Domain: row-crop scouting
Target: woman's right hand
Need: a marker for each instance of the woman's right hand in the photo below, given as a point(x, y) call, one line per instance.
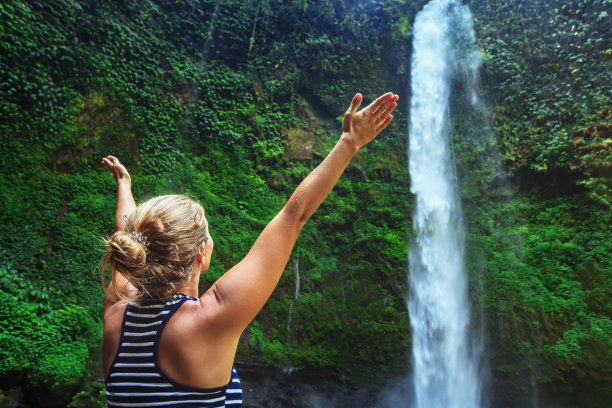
point(116, 169)
point(363, 126)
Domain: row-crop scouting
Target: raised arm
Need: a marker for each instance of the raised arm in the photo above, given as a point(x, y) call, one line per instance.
point(125, 201)
point(125, 205)
point(244, 289)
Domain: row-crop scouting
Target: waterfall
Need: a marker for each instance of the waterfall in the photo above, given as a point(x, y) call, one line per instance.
point(445, 360)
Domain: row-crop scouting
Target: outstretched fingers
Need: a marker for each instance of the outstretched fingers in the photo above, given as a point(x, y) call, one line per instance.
point(383, 116)
point(380, 102)
point(384, 123)
point(385, 110)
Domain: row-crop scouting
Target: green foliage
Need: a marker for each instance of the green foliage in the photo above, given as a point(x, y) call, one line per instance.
point(549, 78)
point(92, 396)
point(46, 344)
point(210, 98)
point(172, 89)
point(272, 350)
point(548, 291)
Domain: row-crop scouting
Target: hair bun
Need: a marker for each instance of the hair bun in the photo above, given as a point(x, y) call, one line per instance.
point(128, 255)
point(158, 248)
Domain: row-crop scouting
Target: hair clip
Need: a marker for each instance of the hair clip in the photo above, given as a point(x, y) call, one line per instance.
point(137, 236)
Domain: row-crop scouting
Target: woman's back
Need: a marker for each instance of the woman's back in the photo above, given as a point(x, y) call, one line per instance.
point(136, 377)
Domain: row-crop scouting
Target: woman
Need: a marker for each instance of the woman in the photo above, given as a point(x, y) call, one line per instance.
point(164, 346)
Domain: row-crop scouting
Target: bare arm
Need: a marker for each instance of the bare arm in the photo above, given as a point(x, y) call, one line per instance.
point(125, 201)
point(125, 205)
point(245, 288)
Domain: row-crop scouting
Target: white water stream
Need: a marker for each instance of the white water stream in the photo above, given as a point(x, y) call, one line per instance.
point(445, 359)
point(296, 272)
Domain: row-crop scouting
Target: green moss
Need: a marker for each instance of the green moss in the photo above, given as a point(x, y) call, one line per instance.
point(189, 109)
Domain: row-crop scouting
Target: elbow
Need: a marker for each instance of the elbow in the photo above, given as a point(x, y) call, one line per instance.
point(296, 213)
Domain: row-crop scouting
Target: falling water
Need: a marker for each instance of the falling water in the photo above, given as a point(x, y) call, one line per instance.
point(209, 34)
point(446, 360)
point(204, 51)
point(296, 272)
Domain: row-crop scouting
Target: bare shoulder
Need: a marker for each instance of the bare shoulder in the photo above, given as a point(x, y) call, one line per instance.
point(203, 319)
point(203, 314)
point(113, 313)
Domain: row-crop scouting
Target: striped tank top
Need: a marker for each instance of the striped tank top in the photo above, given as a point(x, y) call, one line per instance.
point(135, 378)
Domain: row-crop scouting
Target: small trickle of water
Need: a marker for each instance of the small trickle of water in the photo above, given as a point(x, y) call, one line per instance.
point(445, 359)
point(209, 34)
point(296, 273)
point(296, 269)
point(204, 51)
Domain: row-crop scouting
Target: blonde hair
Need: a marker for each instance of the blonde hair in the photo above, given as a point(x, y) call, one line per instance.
point(173, 227)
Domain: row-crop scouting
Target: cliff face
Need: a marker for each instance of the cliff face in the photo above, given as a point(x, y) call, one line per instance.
point(234, 102)
point(546, 275)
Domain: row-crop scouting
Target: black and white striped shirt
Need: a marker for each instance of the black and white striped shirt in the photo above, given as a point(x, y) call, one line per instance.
point(135, 378)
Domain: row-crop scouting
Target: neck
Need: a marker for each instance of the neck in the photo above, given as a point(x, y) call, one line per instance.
point(190, 288)
point(192, 293)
